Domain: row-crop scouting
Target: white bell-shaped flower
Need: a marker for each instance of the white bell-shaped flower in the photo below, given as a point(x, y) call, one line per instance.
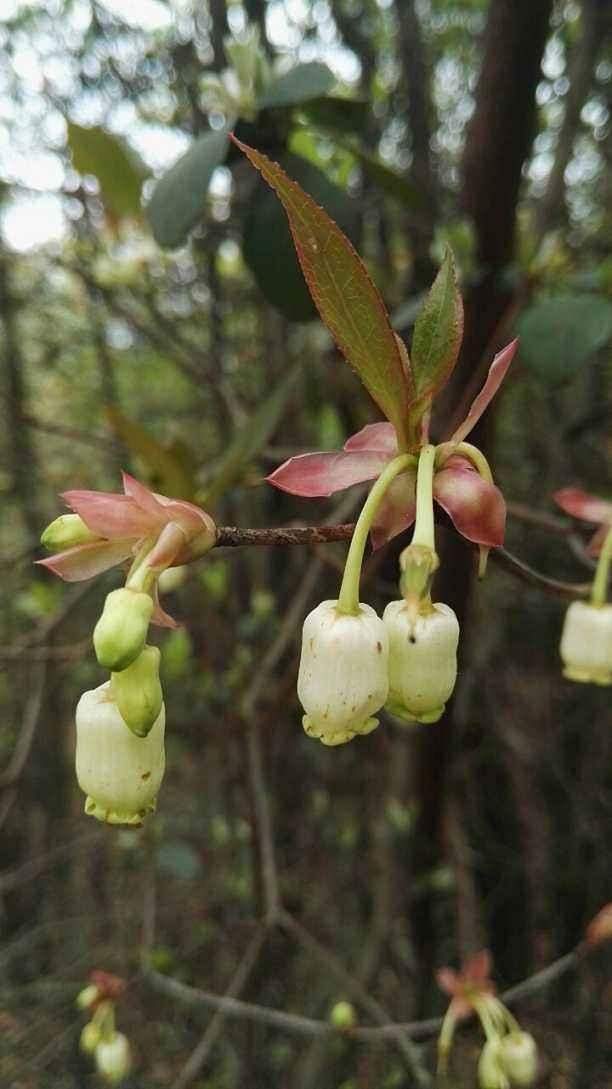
point(491, 1072)
point(422, 660)
point(119, 772)
point(586, 643)
point(519, 1056)
point(113, 1058)
point(343, 678)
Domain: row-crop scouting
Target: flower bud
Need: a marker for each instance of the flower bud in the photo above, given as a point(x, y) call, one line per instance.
point(342, 1015)
point(138, 693)
point(342, 679)
point(121, 632)
point(113, 1060)
point(586, 643)
point(88, 997)
point(120, 773)
point(422, 660)
point(89, 1038)
point(491, 1072)
point(67, 531)
point(519, 1056)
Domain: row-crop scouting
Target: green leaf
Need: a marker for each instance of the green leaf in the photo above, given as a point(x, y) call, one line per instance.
point(345, 296)
point(169, 468)
point(392, 183)
point(119, 171)
point(560, 334)
point(304, 82)
point(251, 437)
point(267, 244)
point(344, 115)
point(177, 203)
point(437, 335)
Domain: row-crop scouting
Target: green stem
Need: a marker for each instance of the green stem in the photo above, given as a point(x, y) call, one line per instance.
point(599, 589)
point(424, 524)
point(139, 575)
point(348, 598)
point(465, 450)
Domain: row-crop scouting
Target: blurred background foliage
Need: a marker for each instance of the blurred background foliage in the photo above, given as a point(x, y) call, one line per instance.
point(152, 317)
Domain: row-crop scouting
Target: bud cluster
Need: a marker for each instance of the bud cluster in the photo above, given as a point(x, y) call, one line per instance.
point(120, 725)
point(99, 1038)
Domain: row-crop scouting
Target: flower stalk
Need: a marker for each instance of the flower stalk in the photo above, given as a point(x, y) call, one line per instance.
point(348, 598)
point(599, 590)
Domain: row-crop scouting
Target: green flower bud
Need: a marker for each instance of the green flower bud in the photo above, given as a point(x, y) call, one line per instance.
point(491, 1072)
point(113, 1059)
point(121, 632)
point(422, 660)
point(88, 996)
point(519, 1056)
point(138, 693)
point(342, 1015)
point(67, 531)
point(90, 1038)
point(586, 643)
point(120, 773)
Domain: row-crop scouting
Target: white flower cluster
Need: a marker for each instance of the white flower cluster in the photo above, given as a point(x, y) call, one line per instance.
point(353, 665)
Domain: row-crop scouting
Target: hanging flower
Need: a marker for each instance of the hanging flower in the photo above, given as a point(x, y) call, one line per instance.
point(472, 501)
point(342, 680)
point(471, 982)
point(422, 660)
point(586, 643)
point(119, 772)
point(119, 526)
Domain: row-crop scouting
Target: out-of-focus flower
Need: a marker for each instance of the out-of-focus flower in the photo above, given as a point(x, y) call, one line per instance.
point(586, 643)
point(471, 982)
point(342, 680)
point(519, 1057)
point(491, 1071)
point(113, 1058)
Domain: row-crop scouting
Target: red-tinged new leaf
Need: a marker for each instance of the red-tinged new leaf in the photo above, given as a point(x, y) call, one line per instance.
point(497, 373)
point(316, 475)
point(438, 332)
point(582, 505)
point(346, 298)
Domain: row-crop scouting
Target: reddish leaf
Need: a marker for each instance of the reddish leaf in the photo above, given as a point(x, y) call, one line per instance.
point(345, 296)
point(314, 475)
point(495, 377)
point(477, 508)
point(437, 334)
point(378, 436)
point(582, 505)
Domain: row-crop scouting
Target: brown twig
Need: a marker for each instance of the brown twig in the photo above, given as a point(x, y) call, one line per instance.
point(235, 537)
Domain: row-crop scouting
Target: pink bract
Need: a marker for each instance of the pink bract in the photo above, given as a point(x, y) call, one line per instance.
point(177, 530)
point(470, 982)
point(475, 506)
point(589, 508)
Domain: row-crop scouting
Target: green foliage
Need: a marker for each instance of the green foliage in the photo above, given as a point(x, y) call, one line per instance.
point(559, 335)
point(177, 203)
point(343, 115)
point(299, 84)
point(437, 333)
point(178, 859)
point(346, 297)
point(268, 247)
point(251, 437)
point(119, 172)
point(170, 467)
